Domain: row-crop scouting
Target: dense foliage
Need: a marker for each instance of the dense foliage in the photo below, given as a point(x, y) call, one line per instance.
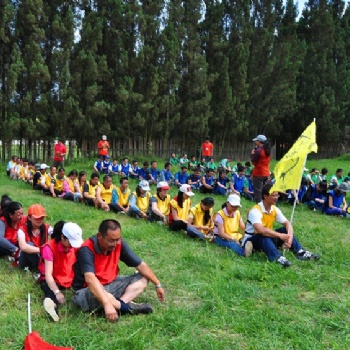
point(173, 70)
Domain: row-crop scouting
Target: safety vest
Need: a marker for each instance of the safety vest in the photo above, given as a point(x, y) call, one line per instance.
point(198, 217)
point(106, 266)
point(231, 225)
point(123, 198)
point(268, 219)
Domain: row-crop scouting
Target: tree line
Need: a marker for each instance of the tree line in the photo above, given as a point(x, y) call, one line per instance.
point(173, 70)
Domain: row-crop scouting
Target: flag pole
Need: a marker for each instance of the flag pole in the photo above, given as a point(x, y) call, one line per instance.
point(29, 316)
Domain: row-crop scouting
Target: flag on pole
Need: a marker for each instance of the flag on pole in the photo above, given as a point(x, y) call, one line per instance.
point(289, 169)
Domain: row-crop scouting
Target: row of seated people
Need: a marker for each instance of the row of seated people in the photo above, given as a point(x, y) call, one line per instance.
point(53, 254)
point(103, 165)
point(330, 199)
point(25, 240)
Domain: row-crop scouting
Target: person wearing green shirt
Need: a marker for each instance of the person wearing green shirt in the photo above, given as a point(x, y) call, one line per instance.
point(173, 160)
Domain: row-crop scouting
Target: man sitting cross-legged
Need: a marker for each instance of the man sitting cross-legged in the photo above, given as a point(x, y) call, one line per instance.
point(97, 269)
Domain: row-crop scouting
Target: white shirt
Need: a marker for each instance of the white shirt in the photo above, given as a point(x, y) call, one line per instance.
point(255, 217)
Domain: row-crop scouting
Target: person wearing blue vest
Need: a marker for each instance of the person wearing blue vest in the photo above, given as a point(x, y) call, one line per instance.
point(315, 195)
point(181, 177)
point(98, 165)
point(114, 168)
point(144, 172)
point(125, 168)
point(207, 181)
point(166, 174)
point(154, 173)
point(221, 183)
point(134, 173)
point(105, 165)
point(335, 203)
point(237, 181)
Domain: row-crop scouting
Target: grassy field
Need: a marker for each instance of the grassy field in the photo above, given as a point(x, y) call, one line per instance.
point(214, 299)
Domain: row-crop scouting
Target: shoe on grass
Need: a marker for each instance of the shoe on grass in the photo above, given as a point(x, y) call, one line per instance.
point(248, 249)
point(306, 255)
point(50, 308)
point(283, 261)
point(136, 309)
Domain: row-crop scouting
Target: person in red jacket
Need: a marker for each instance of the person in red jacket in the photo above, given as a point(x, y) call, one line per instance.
point(60, 151)
point(97, 282)
point(56, 266)
point(103, 147)
point(260, 158)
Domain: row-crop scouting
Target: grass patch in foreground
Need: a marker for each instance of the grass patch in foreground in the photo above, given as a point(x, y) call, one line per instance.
point(214, 299)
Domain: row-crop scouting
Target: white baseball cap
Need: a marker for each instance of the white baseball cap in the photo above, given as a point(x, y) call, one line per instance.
point(186, 189)
point(104, 137)
point(73, 233)
point(163, 185)
point(144, 185)
point(44, 166)
point(261, 138)
point(234, 200)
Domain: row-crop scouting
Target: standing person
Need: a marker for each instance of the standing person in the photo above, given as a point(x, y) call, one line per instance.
point(60, 151)
point(207, 149)
point(260, 230)
point(56, 266)
point(103, 147)
point(31, 236)
point(97, 282)
point(260, 158)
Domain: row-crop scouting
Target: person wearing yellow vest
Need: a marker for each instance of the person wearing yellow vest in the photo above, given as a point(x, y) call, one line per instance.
point(122, 196)
point(139, 201)
point(261, 233)
point(200, 224)
point(160, 204)
point(71, 189)
point(229, 227)
point(106, 195)
point(180, 208)
point(89, 191)
point(56, 187)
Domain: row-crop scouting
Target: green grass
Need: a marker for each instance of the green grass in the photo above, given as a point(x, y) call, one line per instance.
point(214, 299)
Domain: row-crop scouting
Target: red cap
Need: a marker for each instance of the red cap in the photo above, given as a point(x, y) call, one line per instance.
point(36, 211)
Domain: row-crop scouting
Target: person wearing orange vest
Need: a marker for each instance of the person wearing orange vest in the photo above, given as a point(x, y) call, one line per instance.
point(33, 234)
point(260, 158)
point(229, 227)
point(56, 265)
point(97, 282)
point(261, 233)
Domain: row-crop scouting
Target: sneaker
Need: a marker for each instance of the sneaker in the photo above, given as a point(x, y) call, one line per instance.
point(306, 255)
point(50, 308)
point(136, 309)
point(36, 276)
point(283, 261)
point(248, 249)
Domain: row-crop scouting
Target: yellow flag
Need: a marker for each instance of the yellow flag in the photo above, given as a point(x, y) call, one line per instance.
point(289, 169)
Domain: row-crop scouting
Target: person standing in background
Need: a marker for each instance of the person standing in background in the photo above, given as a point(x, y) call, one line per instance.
point(103, 147)
point(60, 151)
point(260, 158)
point(207, 149)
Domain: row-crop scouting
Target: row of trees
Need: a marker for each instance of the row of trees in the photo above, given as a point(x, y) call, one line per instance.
point(173, 70)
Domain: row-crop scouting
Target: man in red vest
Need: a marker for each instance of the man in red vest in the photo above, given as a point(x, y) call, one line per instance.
point(97, 283)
